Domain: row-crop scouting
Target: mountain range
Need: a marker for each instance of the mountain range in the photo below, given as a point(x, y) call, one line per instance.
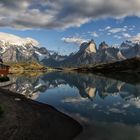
point(17, 49)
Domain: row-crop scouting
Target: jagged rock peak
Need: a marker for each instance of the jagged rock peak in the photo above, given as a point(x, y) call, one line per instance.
point(127, 44)
point(88, 47)
point(91, 48)
point(92, 41)
point(103, 45)
point(120, 56)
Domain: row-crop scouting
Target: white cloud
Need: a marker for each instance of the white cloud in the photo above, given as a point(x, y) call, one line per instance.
point(125, 27)
point(101, 30)
point(126, 35)
point(16, 40)
point(116, 110)
point(126, 105)
point(26, 14)
point(107, 28)
point(117, 36)
point(132, 28)
point(73, 100)
point(94, 34)
point(108, 33)
point(117, 30)
point(75, 40)
point(136, 37)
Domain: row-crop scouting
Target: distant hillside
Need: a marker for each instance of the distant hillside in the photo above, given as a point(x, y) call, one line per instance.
point(128, 65)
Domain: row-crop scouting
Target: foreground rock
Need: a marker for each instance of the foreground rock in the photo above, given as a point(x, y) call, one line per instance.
point(24, 119)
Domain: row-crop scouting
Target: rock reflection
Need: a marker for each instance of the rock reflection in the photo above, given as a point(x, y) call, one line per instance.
point(106, 108)
point(88, 85)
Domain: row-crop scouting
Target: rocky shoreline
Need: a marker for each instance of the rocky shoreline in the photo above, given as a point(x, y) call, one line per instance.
point(25, 119)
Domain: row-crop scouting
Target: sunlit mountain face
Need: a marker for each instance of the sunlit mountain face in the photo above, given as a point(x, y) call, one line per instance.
point(94, 101)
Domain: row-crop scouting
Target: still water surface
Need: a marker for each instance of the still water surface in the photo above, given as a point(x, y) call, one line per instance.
point(108, 109)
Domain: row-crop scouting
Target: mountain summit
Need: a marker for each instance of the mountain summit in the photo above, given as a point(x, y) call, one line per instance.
point(89, 54)
point(14, 49)
point(103, 45)
point(6, 38)
point(88, 47)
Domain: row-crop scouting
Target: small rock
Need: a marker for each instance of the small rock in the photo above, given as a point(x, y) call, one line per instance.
point(17, 99)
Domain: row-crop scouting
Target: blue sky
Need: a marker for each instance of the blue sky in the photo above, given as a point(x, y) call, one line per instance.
point(74, 27)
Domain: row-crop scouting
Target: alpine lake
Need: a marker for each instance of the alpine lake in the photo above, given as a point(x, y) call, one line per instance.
point(107, 107)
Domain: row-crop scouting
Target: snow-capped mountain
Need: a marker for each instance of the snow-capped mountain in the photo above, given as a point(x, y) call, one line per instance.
point(130, 49)
point(18, 49)
point(89, 54)
point(16, 40)
point(14, 49)
point(54, 60)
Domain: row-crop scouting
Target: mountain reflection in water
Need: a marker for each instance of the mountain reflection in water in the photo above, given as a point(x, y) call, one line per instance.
point(107, 108)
